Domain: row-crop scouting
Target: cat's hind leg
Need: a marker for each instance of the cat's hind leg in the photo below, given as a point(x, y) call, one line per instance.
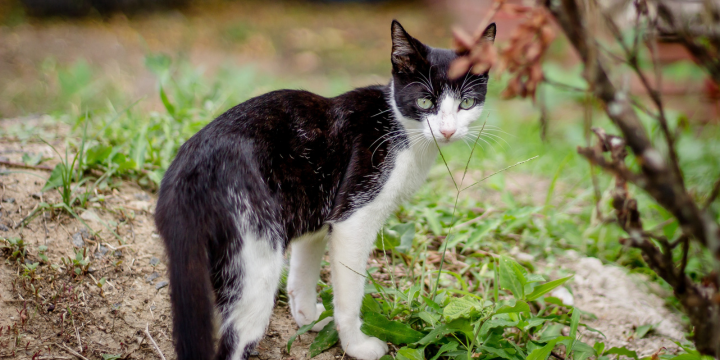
point(305, 260)
point(246, 294)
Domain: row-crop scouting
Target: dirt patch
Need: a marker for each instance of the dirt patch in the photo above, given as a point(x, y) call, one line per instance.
point(622, 302)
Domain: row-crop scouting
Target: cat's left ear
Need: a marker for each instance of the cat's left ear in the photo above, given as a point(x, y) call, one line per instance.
point(407, 53)
point(489, 33)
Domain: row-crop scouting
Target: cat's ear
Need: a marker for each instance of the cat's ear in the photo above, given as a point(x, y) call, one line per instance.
point(489, 33)
point(407, 53)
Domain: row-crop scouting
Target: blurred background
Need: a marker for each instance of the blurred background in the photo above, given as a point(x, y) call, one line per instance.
point(51, 51)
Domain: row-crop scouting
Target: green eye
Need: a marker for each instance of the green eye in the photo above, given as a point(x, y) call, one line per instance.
point(467, 103)
point(424, 103)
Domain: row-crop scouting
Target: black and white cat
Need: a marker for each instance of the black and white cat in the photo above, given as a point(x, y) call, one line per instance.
point(291, 168)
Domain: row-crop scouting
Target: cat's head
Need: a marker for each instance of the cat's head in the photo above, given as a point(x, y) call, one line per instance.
point(428, 102)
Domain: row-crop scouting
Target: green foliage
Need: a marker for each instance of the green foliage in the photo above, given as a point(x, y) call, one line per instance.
point(325, 339)
point(467, 326)
point(15, 248)
point(79, 264)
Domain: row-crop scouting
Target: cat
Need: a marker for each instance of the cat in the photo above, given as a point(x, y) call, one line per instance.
point(291, 168)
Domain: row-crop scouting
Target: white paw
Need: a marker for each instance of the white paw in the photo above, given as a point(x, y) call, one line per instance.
point(308, 315)
point(319, 309)
point(366, 348)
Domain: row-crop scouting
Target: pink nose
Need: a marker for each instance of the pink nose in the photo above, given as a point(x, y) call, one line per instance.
point(447, 133)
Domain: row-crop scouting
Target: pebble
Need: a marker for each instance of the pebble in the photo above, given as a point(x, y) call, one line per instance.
point(564, 295)
point(37, 196)
point(161, 285)
point(102, 250)
point(4, 228)
point(154, 261)
point(77, 240)
point(152, 277)
point(142, 196)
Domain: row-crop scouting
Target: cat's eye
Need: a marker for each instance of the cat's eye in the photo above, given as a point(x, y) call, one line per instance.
point(467, 103)
point(424, 103)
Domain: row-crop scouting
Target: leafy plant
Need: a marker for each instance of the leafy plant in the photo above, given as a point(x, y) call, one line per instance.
point(15, 247)
point(468, 326)
point(80, 263)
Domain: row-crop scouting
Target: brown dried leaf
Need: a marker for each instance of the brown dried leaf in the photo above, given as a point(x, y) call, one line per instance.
point(459, 67)
point(463, 40)
point(547, 34)
point(515, 9)
point(533, 51)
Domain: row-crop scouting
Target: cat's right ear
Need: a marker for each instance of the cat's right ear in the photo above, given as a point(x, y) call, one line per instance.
point(407, 53)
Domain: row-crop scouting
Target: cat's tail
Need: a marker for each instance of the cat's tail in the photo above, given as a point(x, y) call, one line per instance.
point(190, 284)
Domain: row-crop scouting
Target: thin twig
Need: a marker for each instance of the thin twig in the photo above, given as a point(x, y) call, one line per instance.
point(155, 345)
point(713, 195)
point(71, 351)
point(25, 166)
point(476, 220)
point(441, 155)
point(77, 334)
point(499, 171)
point(472, 150)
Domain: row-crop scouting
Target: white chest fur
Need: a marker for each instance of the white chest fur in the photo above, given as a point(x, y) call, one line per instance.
point(409, 171)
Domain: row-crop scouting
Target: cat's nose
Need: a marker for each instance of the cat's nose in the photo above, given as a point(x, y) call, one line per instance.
point(447, 133)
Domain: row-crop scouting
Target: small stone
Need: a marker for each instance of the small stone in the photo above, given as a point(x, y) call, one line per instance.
point(161, 285)
point(4, 228)
point(77, 240)
point(9, 200)
point(90, 215)
point(102, 250)
point(564, 295)
point(152, 277)
point(51, 307)
point(37, 196)
point(85, 233)
point(154, 261)
point(142, 196)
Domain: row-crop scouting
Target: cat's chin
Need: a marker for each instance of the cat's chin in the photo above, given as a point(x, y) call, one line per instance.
point(445, 142)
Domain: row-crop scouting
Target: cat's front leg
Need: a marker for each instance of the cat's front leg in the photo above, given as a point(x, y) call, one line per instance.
point(305, 260)
point(350, 244)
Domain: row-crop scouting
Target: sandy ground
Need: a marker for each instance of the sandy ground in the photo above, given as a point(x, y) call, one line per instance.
point(621, 303)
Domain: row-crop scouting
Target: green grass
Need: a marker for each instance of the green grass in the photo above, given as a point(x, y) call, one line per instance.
point(485, 302)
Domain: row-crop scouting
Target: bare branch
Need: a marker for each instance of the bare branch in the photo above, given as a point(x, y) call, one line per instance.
point(663, 184)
